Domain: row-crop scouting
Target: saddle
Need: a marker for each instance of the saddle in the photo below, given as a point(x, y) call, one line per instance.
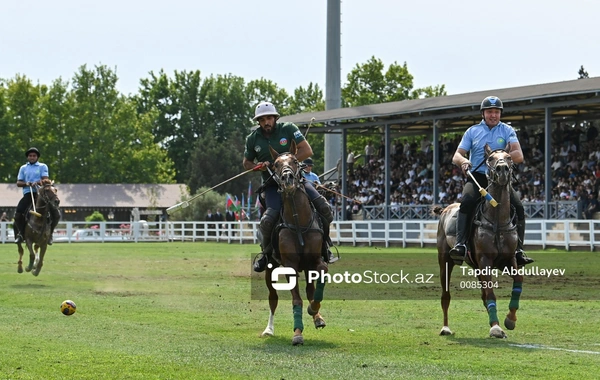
point(29, 218)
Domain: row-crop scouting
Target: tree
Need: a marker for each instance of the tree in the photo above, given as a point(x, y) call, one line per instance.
point(211, 164)
point(582, 73)
point(370, 83)
point(108, 142)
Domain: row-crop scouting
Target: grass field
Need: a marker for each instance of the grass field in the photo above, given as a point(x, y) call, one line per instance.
point(185, 311)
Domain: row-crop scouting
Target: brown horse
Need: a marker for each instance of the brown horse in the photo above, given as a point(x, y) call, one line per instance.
point(37, 231)
point(492, 243)
point(300, 239)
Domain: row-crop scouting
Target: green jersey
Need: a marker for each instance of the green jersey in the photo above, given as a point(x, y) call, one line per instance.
point(257, 145)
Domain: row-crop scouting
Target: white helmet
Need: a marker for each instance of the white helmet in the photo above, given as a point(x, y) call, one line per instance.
point(264, 109)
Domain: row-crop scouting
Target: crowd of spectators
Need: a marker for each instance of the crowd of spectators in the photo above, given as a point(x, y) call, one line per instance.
point(575, 169)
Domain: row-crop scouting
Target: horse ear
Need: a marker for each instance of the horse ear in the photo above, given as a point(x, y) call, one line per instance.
point(293, 148)
point(487, 150)
point(274, 153)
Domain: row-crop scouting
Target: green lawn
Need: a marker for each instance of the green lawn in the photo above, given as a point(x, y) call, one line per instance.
point(193, 311)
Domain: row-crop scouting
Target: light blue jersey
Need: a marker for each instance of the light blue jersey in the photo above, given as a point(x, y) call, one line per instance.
point(475, 138)
point(32, 173)
point(312, 177)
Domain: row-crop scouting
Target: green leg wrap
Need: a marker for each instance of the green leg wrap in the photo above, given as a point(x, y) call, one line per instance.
point(297, 309)
point(492, 312)
point(319, 291)
point(515, 295)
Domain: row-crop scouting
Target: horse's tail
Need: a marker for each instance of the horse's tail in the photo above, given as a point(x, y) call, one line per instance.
point(436, 210)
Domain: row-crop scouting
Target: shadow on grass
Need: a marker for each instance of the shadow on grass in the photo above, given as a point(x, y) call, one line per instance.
point(29, 286)
point(275, 344)
point(486, 342)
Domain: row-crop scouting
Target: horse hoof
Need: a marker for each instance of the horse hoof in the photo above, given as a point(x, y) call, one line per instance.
point(266, 333)
point(297, 340)
point(497, 332)
point(310, 311)
point(19, 270)
point(509, 323)
point(320, 323)
point(446, 331)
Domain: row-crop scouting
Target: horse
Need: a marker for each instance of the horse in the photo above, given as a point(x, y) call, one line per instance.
point(299, 240)
point(37, 230)
point(328, 189)
point(492, 243)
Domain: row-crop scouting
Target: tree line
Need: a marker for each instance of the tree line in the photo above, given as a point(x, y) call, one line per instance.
point(179, 128)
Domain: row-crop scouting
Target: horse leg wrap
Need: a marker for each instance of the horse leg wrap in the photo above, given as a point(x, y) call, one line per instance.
point(492, 312)
point(319, 290)
point(515, 295)
point(297, 310)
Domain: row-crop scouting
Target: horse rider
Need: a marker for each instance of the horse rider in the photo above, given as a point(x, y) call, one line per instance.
point(311, 176)
point(308, 174)
point(278, 136)
point(31, 174)
point(497, 135)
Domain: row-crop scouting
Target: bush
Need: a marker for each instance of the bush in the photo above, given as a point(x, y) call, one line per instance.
point(96, 216)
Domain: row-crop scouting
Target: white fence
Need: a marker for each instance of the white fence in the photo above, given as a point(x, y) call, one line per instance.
point(565, 234)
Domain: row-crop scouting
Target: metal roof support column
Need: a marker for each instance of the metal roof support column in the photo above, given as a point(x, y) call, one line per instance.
point(388, 176)
point(436, 160)
point(333, 80)
point(344, 175)
point(547, 162)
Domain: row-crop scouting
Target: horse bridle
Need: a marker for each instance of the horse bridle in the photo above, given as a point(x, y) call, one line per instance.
point(297, 178)
point(288, 170)
point(492, 168)
point(46, 198)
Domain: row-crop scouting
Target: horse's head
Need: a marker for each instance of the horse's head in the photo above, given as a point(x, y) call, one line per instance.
point(286, 169)
point(499, 164)
point(48, 194)
point(328, 189)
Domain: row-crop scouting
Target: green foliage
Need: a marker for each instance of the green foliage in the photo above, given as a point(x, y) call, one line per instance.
point(96, 216)
point(198, 208)
point(87, 133)
point(181, 128)
point(582, 73)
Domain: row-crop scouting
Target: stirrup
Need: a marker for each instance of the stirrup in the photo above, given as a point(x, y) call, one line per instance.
point(259, 264)
point(456, 255)
point(522, 258)
point(19, 239)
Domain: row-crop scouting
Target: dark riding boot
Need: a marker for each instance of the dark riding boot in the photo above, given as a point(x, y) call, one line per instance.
point(55, 220)
point(267, 223)
point(19, 227)
point(459, 252)
point(522, 258)
point(324, 210)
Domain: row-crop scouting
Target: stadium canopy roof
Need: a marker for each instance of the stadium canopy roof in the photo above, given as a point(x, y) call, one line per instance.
point(574, 100)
